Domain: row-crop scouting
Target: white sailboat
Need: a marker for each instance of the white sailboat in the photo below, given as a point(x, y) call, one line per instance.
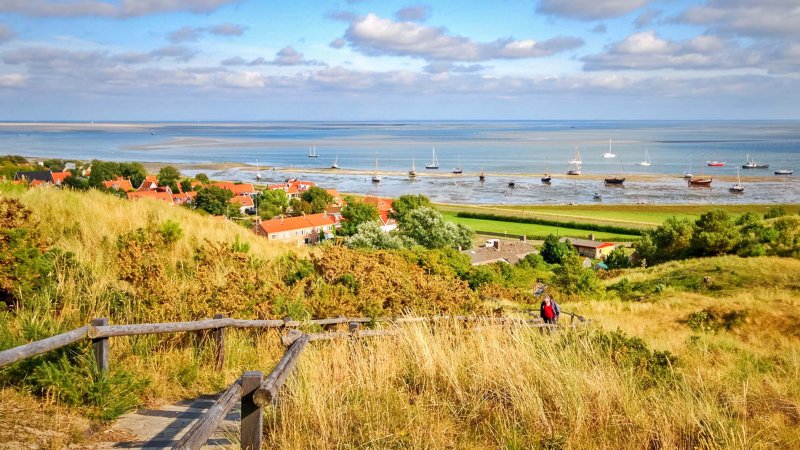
point(577, 158)
point(646, 162)
point(312, 152)
point(258, 172)
point(688, 173)
point(413, 172)
point(457, 170)
point(434, 164)
point(737, 188)
point(376, 178)
point(609, 153)
point(335, 164)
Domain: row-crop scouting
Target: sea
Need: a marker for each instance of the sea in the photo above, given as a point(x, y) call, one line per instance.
point(506, 151)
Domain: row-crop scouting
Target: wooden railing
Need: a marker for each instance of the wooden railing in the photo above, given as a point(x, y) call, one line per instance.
point(252, 390)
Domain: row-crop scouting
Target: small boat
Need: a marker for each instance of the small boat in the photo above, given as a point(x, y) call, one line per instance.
point(482, 177)
point(688, 174)
point(434, 164)
point(615, 180)
point(752, 164)
point(737, 188)
point(597, 196)
point(546, 178)
point(376, 178)
point(784, 172)
point(575, 171)
point(700, 182)
point(609, 153)
point(511, 184)
point(646, 162)
point(258, 172)
point(312, 152)
point(335, 164)
point(715, 163)
point(457, 170)
point(412, 173)
point(577, 158)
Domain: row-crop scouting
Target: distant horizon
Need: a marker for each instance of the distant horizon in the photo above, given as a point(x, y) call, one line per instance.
point(361, 121)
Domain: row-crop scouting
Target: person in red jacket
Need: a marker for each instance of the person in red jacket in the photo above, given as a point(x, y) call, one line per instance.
point(549, 310)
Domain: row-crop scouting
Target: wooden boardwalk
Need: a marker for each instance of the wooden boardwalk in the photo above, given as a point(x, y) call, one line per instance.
point(152, 429)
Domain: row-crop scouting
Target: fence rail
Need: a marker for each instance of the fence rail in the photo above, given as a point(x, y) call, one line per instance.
point(252, 390)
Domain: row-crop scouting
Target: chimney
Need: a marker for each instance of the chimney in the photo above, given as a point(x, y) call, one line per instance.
point(497, 244)
point(591, 236)
point(523, 238)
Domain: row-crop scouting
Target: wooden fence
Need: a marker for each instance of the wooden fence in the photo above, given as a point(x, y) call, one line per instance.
point(252, 389)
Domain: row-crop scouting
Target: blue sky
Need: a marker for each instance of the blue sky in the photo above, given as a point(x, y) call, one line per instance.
point(385, 60)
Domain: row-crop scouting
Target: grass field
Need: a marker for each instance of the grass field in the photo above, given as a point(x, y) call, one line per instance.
point(495, 226)
point(638, 216)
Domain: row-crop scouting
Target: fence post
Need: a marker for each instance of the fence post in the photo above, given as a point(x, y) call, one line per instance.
point(352, 327)
point(252, 414)
point(100, 346)
point(219, 345)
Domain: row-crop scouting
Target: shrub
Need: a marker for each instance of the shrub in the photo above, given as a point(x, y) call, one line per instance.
point(711, 320)
point(775, 211)
point(554, 252)
point(632, 353)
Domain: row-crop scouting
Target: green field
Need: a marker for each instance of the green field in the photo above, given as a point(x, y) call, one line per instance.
point(495, 226)
point(636, 216)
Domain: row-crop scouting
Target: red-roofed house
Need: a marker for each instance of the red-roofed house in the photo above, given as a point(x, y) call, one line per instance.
point(590, 248)
point(335, 194)
point(384, 206)
point(120, 183)
point(182, 198)
point(244, 203)
point(236, 188)
point(293, 189)
point(149, 183)
point(308, 229)
point(59, 177)
point(163, 195)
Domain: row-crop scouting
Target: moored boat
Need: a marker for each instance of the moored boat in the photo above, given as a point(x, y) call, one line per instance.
point(752, 164)
point(784, 172)
point(434, 164)
point(615, 180)
point(715, 163)
point(737, 188)
point(482, 177)
point(412, 173)
point(376, 178)
point(700, 181)
point(609, 153)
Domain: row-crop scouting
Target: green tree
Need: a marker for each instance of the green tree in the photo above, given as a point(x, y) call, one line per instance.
point(369, 235)
point(299, 206)
point(407, 203)
point(186, 185)
point(318, 198)
point(203, 178)
point(553, 251)
point(272, 203)
point(671, 240)
point(788, 239)
point(213, 200)
point(103, 171)
point(617, 259)
point(715, 234)
point(169, 176)
point(775, 211)
point(133, 171)
point(427, 228)
point(574, 280)
point(354, 214)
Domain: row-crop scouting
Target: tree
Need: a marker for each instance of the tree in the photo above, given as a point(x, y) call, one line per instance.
point(213, 200)
point(133, 171)
point(354, 214)
point(788, 239)
point(203, 178)
point(299, 206)
point(169, 176)
point(427, 228)
point(369, 235)
point(102, 171)
point(671, 240)
point(715, 234)
point(617, 259)
point(318, 198)
point(574, 280)
point(186, 185)
point(553, 251)
point(407, 203)
point(272, 203)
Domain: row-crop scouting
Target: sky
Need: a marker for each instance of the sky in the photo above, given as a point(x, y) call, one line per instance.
point(242, 60)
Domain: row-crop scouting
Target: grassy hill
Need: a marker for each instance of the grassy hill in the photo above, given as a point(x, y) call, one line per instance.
point(671, 360)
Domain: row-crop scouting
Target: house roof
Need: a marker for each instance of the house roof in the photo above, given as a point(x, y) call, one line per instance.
point(120, 183)
point(508, 251)
point(295, 223)
point(292, 187)
point(149, 182)
point(237, 189)
point(59, 177)
point(42, 175)
point(157, 195)
point(242, 200)
point(587, 243)
point(384, 206)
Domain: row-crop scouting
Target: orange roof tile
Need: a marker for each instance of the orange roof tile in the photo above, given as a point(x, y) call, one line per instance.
point(237, 189)
point(149, 182)
point(59, 177)
point(295, 223)
point(242, 200)
point(120, 183)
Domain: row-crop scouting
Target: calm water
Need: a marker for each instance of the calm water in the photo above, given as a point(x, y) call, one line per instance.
point(499, 148)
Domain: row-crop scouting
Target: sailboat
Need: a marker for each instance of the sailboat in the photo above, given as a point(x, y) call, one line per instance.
point(577, 158)
point(609, 153)
point(434, 164)
point(737, 188)
point(752, 164)
point(258, 172)
point(619, 179)
point(546, 177)
point(482, 177)
point(335, 164)
point(376, 178)
point(702, 181)
point(646, 162)
point(688, 174)
point(312, 152)
point(457, 170)
point(412, 173)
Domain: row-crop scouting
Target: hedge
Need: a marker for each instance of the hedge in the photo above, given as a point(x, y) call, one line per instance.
point(538, 221)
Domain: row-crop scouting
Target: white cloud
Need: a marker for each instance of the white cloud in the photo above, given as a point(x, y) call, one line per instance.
point(192, 34)
point(12, 80)
point(415, 13)
point(122, 9)
point(747, 17)
point(589, 9)
point(286, 56)
point(6, 33)
point(646, 18)
point(374, 35)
